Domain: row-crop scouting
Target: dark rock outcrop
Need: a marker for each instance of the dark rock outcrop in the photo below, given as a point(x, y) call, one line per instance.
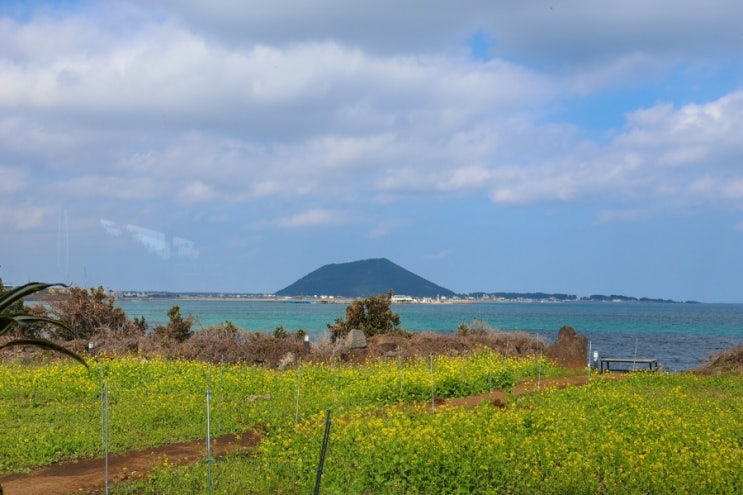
point(570, 350)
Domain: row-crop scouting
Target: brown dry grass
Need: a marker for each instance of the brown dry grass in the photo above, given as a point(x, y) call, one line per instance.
point(220, 344)
point(412, 345)
point(729, 360)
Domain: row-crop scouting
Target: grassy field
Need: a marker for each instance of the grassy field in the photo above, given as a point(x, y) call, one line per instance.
point(644, 433)
point(52, 412)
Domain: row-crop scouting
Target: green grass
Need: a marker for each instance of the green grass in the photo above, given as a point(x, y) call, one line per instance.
point(644, 433)
point(52, 412)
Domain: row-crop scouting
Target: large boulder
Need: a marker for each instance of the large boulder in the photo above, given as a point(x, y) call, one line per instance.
point(570, 349)
point(356, 339)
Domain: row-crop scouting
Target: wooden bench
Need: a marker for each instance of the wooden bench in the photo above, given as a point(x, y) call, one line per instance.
point(652, 364)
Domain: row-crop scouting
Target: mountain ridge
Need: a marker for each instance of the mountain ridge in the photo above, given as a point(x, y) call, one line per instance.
point(363, 278)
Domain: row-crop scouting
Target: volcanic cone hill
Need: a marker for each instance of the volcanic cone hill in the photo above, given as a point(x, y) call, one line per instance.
point(363, 279)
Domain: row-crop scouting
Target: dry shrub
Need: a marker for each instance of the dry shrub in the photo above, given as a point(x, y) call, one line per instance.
point(412, 345)
point(517, 344)
point(109, 342)
point(214, 344)
point(26, 354)
point(86, 313)
point(729, 360)
point(266, 349)
point(324, 349)
point(230, 344)
point(221, 343)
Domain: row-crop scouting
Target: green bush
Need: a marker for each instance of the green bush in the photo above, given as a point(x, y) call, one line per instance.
point(372, 315)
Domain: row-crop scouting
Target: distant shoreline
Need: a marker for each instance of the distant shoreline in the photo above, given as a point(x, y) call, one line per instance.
point(527, 298)
point(283, 300)
point(348, 300)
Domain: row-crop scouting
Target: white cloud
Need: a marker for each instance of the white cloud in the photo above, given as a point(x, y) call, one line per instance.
point(24, 216)
point(337, 152)
point(612, 72)
point(179, 112)
point(683, 156)
point(110, 187)
point(465, 178)
point(733, 190)
point(11, 180)
point(312, 218)
point(28, 138)
point(170, 113)
point(387, 227)
point(185, 248)
point(197, 102)
point(534, 30)
point(197, 191)
point(264, 188)
point(111, 228)
point(153, 240)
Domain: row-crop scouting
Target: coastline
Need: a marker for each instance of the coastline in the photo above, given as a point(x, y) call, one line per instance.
point(403, 300)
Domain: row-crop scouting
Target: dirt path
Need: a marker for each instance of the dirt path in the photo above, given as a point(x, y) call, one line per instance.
point(88, 477)
point(498, 397)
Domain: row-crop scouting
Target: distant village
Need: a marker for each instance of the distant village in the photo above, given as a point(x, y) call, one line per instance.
point(504, 297)
point(365, 278)
point(481, 297)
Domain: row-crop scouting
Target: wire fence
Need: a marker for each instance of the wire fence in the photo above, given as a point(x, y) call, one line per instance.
point(139, 406)
point(387, 423)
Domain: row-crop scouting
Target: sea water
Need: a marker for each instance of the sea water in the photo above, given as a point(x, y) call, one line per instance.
point(680, 336)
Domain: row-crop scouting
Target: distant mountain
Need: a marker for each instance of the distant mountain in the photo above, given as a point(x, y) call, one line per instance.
point(363, 279)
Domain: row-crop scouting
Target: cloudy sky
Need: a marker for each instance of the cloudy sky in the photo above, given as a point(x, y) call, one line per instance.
point(230, 145)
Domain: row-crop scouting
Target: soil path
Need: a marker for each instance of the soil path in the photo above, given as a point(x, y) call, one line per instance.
point(88, 476)
point(498, 397)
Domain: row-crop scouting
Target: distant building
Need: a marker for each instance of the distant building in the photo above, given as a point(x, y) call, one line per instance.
point(399, 299)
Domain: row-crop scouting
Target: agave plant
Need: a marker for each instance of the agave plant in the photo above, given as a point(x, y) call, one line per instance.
point(9, 317)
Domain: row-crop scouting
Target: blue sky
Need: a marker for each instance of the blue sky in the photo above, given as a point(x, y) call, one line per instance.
point(193, 145)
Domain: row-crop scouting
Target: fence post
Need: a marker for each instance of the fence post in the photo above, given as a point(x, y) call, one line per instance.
point(399, 369)
point(433, 390)
point(336, 388)
point(323, 450)
point(104, 427)
point(220, 399)
point(299, 379)
point(490, 371)
point(208, 441)
point(539, 367)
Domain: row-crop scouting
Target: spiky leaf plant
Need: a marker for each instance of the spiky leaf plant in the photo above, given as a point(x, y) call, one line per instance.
point(11, 316)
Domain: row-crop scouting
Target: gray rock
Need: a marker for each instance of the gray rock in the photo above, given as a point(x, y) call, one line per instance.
point(356, 339)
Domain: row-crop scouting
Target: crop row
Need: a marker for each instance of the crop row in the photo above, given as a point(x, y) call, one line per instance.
point(54, 411)
point(646, 433)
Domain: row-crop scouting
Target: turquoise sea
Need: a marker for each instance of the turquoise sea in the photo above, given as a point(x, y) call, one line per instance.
point(680, 336)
